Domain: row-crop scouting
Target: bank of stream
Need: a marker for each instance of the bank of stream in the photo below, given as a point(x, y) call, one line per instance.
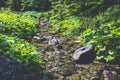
point(57, 52)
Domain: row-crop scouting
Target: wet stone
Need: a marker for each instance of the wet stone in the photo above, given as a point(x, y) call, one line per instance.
point(84, 55)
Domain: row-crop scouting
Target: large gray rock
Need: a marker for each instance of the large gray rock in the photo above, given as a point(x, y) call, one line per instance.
point(12, 70)
point(84, 54)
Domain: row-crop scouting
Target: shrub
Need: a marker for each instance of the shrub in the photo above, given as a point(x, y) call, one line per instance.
point(69, 26)
point(21, 51)
point(34, 14)
point(13, 24)
point(105, 35)
point(106, 40)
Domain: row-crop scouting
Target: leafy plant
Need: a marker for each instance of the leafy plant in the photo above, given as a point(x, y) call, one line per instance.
point(69, 26)
point(105, 35)
point(21, 51)
point(13, 24)
point(106, 40)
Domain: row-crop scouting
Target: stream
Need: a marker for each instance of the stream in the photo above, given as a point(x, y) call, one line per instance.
point(57, 52)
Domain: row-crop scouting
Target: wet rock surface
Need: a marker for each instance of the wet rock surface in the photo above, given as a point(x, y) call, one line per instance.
point(84, 55)
point(60, 62)
point(12, 70)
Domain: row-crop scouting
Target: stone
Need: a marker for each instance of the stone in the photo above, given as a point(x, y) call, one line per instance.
point(110, 75)
point(36, 37)
point(94, 78)
point(45, 37)
point(53, 41)
point(41, 49)
point(107, 75)
point(38, 34)
point(13, 70)
point(117, 69)
point(84, 54)
point(115, 75)
point(76, 77)
point(80, 67)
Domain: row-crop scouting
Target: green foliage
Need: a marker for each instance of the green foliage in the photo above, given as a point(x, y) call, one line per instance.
point(106, 40)
point(21, 51)
point(40, 15)
point(60, 9)
point(69, 26)
point(37, 5)
point(66, 8)
point(13, 24)
point(100, 29)
point(74, 25)
point(105, 35)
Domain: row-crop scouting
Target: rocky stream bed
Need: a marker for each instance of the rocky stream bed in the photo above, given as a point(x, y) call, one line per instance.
point(57, 52)
point(64, 57)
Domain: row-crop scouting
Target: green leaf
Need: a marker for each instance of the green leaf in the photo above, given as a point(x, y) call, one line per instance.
point(100, 57)
point(111, 52)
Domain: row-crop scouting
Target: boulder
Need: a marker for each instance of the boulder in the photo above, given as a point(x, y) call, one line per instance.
point(13, 70)
point(84, 54)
